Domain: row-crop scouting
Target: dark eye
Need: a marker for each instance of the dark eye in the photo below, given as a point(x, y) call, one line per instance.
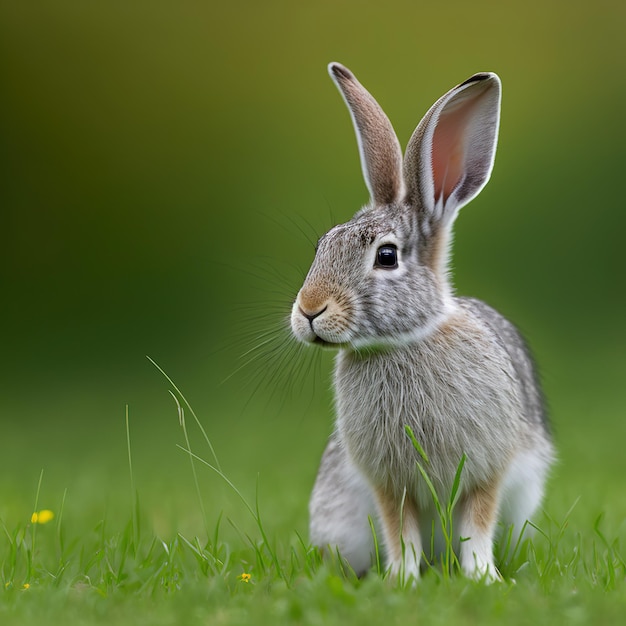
point(387, 256)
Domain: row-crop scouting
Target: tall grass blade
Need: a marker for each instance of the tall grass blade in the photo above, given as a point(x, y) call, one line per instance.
point(181, 420)
point(31, 552)
point(133, 491)
point(195, 417)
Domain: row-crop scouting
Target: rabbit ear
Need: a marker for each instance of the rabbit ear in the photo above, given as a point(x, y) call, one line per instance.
point(450, 156)
point(381, 156)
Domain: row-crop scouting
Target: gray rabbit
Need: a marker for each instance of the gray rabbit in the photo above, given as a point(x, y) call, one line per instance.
point(413, 354)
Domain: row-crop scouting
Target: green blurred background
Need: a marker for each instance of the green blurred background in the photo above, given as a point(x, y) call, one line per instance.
point(164, 166)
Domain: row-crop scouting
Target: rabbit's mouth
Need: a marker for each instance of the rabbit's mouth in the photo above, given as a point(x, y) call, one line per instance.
point(320, 321)
point(306, 332)
point(323, 343)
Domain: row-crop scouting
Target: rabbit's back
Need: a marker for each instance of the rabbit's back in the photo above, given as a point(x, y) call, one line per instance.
point(521, 358)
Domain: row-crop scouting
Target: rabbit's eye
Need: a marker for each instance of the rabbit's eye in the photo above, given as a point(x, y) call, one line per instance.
point(387, 256)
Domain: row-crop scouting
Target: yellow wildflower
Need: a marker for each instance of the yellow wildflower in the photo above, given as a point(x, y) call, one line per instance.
point(26, 586)
point(43, 517)
point(245, 578)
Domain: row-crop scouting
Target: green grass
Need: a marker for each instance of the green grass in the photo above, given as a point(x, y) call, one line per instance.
point(120, 569)
point(133, 576)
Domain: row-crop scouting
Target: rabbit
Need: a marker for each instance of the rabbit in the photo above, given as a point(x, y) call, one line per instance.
point(411, 353)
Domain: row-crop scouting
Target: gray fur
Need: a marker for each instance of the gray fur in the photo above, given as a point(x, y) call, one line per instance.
point(411, 353)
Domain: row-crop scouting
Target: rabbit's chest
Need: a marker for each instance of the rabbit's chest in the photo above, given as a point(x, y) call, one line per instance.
point(457, 404)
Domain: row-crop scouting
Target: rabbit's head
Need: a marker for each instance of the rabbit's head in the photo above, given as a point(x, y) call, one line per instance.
point(381, 278)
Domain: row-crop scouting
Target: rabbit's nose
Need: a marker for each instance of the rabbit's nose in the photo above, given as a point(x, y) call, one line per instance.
point(313, 300)
point(311, 315)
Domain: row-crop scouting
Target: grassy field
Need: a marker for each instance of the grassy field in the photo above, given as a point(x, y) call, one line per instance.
point(148, 537)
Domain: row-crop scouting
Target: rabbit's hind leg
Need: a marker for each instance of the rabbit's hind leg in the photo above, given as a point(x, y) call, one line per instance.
point(522, 493)
point(340, 509)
